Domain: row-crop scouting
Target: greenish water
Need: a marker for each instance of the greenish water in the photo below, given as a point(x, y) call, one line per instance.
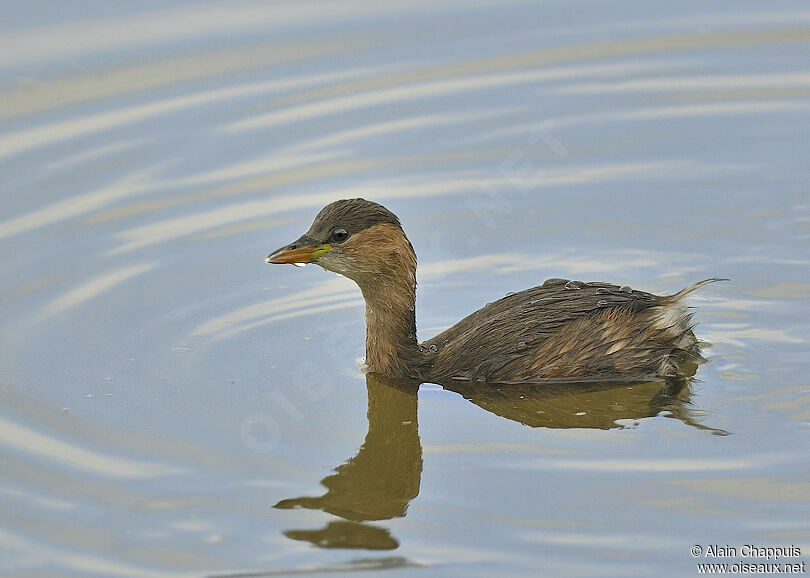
point(170, 405)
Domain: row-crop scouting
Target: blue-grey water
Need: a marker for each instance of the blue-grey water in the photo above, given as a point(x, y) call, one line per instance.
point(170, 405)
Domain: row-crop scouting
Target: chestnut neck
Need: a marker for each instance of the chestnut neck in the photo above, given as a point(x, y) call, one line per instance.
point(391, 345)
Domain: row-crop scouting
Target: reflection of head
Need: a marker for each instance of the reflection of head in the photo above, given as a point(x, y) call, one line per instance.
point(380, 481)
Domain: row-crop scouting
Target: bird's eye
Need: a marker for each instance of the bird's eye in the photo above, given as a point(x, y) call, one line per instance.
point(339, 235)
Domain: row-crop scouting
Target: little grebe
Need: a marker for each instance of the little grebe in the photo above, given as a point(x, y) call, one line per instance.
point(559, 330)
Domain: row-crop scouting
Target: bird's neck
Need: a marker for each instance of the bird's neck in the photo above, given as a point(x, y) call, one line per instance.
point(391, 345)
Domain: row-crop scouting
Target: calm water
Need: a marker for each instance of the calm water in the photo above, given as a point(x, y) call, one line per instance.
point(170, 405)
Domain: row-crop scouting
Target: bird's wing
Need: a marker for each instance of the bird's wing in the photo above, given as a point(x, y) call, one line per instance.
point(505, 329)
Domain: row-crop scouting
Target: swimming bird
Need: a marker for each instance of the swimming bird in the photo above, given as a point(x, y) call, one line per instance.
point(560, 330)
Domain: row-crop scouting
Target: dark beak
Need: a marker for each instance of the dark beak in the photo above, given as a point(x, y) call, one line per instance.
point(304, 250)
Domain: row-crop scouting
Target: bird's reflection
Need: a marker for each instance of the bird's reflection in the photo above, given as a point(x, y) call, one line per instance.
point(380, 481)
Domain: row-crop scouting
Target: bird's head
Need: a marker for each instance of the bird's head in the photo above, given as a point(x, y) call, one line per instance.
point(359, 239)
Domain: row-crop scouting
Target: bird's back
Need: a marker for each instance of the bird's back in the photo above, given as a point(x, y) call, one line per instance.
point(568, 330)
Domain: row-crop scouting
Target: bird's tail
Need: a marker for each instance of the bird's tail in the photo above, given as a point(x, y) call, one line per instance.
point(674, 317)
point(691, 288)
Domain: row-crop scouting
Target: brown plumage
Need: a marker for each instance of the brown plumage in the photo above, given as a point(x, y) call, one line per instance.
point(561, 330)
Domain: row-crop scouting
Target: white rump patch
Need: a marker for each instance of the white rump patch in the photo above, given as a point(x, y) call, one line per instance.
point(671, 317)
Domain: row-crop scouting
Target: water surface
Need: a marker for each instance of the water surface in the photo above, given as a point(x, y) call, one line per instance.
point(172, 406)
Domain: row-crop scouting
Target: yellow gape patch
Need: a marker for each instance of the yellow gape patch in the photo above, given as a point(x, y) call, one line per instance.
point(325, 248)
